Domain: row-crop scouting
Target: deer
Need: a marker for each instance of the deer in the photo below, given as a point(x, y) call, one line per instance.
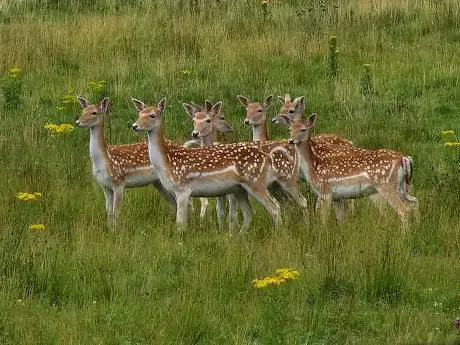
point(240, 169)
point(207, 121)
point(256, 117)
point(116, 167)
point(354, 175)
point(331, 145)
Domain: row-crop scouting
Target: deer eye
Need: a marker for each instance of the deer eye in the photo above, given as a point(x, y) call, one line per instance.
point(208, 120)
point(303, 130)
point(291, 111)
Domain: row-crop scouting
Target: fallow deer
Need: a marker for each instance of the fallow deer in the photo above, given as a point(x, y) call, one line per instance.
point(207, 121)
point(256, 117)
point(217, 170)
point(116, 167)
point(328, 145)
point(357, 174)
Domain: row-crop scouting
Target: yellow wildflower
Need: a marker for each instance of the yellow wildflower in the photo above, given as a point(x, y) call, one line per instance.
point(452, 143)
point(59, 129)
point(40, 227)
point(287, 273)
point(14, 72)
point(282, 275)
point(28, 196)
point(186, 72)
point(59, 108)
point(447, 132)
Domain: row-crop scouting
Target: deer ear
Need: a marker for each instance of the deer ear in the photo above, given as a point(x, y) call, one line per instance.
point(138, 104)
point(207, 105)
point(104, 104)
point(312, 120)
point(222, 126)
point(268, 101)
point(161, 106)
point(243, 100)
point(286, 118)
point(299, 104)
point(190, 110)
point(83, 102)
point(216, 108)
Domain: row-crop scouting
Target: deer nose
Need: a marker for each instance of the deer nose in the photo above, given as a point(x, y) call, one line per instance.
point(275, 120)
point(134, 126)
point(246, 122)
point(77, 123)
point(291, 141)
point(195, 134)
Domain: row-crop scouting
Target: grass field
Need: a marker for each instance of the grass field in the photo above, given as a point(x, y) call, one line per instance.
point(361, 282)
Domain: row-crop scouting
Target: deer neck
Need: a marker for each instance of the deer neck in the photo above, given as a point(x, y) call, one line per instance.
point(98, 149)
point(158, 151)
point(207, 140)
point(260, 132)
point(308, 158)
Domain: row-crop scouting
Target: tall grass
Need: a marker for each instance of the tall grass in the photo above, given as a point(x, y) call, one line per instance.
point(361, 282)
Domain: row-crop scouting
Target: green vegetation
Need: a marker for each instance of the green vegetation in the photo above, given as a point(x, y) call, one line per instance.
point(361, 282)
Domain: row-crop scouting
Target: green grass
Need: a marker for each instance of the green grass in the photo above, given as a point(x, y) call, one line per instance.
point(362, 282)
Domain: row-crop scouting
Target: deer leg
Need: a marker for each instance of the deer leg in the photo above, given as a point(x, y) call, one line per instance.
point(378, 202)
point(117, 197)
point(232, 210)
point(261, 194)
point(167, 195)
point(241, 198)
point(204, 206)
point(182, 198)
point(326, 200)
point(293, 191)
point(395, 201)
point(220, 204)
point(341, 208)
point(108, 194)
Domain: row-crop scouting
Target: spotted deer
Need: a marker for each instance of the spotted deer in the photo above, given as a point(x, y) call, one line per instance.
point(116, 167)
point(328, 145)
point(207, 121)
point(360, 173)
point(216, 170)
point(256, 117)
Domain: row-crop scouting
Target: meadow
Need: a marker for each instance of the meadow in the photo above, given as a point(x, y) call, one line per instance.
point(392, 80)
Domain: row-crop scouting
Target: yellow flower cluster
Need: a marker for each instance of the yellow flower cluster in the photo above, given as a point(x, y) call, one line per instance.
point(452, 143)
point(447, 132)
point(281, 276)
point(97, 85)
point(14, 72)
point(28, 196)
point(59, 129)
point(38, 227)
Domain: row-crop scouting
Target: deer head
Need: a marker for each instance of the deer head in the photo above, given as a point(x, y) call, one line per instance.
point(149, 117)
point(92, 114)
point(292, 109)
point(299, 129)
point(207, 120)
point(256, 112)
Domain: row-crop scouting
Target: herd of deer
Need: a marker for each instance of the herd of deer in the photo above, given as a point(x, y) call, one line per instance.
point(335, 169)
